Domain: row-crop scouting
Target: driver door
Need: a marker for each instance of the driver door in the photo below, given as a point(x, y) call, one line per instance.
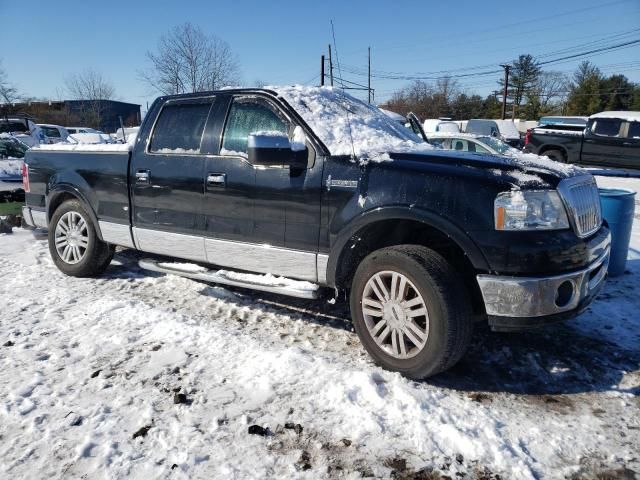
point(260, 218)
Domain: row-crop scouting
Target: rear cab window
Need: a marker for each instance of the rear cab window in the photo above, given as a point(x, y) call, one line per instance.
point(180, 127)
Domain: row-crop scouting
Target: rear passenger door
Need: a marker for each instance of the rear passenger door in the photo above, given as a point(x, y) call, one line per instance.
point(167, 181)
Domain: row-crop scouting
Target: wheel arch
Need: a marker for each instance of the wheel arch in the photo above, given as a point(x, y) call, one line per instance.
point(399, 225)
point(62, 192)
point(560, 148)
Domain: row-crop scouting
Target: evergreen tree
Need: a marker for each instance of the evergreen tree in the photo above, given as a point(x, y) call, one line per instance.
point(522, 79)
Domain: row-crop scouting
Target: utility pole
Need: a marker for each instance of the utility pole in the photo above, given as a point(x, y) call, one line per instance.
point(369, 76)
point(506, 86)
point(330, 66)
point(322, 70)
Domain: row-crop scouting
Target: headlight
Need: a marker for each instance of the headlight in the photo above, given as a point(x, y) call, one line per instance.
point(530, 210)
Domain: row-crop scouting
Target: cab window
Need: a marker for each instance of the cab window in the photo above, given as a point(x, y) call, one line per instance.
point(634, 130)
point(247, 116)
point(179, 128)
point(606, 127)
point(51, 132)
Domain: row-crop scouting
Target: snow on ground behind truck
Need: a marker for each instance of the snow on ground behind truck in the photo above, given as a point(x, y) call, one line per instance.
point(135, 375)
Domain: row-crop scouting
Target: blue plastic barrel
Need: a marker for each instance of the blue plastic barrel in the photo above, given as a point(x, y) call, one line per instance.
point(618, 206)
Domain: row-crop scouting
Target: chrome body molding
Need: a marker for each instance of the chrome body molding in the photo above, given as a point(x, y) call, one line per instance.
point(178, 245)
point(251, 257)
point(116, 234)
point(34, 218)
point(322, 261)
point(254, 282)
point(520, 297)
point(262, 259)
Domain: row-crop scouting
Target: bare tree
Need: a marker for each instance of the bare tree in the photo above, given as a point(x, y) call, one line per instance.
point(545, 94)
point(8, 93)
point(188, 60)
point(91, 88)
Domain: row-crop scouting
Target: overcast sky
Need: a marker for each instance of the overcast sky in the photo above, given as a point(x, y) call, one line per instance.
point(281, 42)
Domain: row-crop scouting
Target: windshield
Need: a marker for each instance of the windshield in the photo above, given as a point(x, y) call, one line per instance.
point(498, 145)
point(347, 125)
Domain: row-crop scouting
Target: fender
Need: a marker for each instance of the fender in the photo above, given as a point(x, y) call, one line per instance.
point(57, 189)
point(459, 236)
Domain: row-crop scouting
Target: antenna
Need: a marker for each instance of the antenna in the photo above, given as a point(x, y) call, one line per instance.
point(335, 46)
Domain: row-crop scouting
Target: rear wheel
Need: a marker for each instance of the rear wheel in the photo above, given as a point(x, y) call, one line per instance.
point(73, 243)
point(556, 155)
point(410, 310)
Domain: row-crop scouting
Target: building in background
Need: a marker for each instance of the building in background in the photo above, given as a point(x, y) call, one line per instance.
point(102, 115)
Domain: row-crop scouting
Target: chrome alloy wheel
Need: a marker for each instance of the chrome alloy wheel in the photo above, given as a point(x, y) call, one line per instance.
point(395, 314)
point(71, 237)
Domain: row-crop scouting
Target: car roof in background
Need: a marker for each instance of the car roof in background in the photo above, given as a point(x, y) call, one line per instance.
point(629, 116)
point(561, 120)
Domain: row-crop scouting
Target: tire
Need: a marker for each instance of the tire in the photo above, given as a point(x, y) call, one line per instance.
point(87, 255)
point(556, 155)
point(444, 331)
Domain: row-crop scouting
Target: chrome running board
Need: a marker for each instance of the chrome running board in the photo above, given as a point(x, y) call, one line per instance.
point(263, 283)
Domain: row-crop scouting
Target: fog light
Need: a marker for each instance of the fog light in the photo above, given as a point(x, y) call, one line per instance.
point(564, 294)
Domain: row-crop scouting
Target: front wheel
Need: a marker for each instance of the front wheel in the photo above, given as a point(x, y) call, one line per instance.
point(73, 243)
point(411, 310)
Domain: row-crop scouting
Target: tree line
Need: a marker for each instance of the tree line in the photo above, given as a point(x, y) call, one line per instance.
point(531, 93)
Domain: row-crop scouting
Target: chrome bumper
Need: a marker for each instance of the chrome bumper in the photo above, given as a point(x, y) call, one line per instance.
point(527, 297)
point(34, 218)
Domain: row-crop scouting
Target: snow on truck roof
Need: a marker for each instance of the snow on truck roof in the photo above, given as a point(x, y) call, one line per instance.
point(628, 116)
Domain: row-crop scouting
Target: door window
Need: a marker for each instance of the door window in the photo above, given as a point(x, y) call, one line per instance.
point(460, 145)
point(179, 128)
point(634, 130)
point(480, 149)
point(246, 116)
point(51, 132)
point(606, 127)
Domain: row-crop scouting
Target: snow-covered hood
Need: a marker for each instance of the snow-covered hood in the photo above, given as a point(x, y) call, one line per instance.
point(521, 171)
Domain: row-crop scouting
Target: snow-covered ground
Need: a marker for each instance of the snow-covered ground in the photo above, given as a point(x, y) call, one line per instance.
point(91, 370)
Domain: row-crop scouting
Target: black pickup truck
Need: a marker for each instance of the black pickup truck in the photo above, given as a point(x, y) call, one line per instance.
point(610, 139)
point(325, 193)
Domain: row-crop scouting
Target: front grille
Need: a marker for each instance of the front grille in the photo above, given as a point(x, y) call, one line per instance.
point(582, 200)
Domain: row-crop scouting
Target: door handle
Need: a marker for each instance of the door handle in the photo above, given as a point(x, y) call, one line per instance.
point(588, 140)
point(217, 179)
point(142, 176)
point(627, 144)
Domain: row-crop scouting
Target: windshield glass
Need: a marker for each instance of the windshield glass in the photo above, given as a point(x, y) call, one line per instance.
point(498, 145)
point(347, 125)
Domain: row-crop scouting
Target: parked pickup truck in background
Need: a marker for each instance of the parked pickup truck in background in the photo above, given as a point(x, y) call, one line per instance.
point(610, 139)
point(327, 192)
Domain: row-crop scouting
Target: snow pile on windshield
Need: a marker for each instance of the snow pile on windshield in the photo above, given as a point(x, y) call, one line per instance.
point(348, 126)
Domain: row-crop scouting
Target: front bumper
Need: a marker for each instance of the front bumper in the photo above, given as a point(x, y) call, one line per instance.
point(514, 303)
point(34, 218)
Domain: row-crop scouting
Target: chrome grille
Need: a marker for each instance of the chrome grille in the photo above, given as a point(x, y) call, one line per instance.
point(581, 197)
